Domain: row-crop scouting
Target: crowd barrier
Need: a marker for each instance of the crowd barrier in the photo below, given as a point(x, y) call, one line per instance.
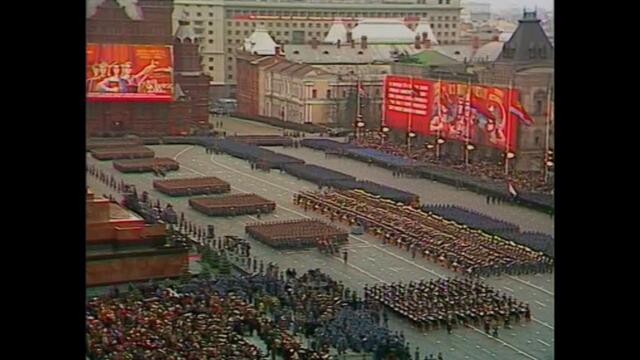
point(126, 152)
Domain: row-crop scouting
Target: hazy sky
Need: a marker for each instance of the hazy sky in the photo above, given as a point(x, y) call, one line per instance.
point(503, 4)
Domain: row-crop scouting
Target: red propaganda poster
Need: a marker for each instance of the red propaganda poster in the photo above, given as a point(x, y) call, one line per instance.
point(478, 114)
point(121, 72)
point(408, 103)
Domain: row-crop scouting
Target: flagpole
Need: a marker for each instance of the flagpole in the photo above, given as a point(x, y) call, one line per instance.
point(439, 117)
point(410, 118)
point(357, 105)
point(467, 119)
point(547, 133)
point(508, 140)
point(383, 123)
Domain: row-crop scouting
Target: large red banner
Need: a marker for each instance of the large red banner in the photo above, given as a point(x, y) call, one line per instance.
point(455, 111)
point(121, 72)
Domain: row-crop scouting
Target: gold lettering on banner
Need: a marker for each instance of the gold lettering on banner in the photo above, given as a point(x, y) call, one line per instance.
point(495, 98)
point(480, 92)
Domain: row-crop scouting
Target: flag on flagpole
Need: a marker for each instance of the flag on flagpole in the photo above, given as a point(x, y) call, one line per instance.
point(518, 111)
point(512, 190)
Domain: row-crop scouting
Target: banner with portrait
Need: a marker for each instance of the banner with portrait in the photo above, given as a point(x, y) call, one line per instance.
point(121, 72)
point(478, 114)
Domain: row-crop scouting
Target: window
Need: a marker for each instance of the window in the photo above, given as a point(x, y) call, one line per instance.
point(325, 34)
point(344, 94)
point(328, 94)
point(246, 32)
point(210, 23)
point(537, 140)
point(453, 34)
point(454, 18)
point(439, 26)
point(286, 24)
point(198, 23)
point(453, 41)
point(377, 92)
point(210, 32)
point(439, 2)
point(186, 13)
point(229, 32)
point(278, 24)
point(446, 42)
point(237, 41)
point(301, 25)
point(439, 33)
point(448, 2)
point(198, 14)
point(539, 99)
point(453, 26)
point(446, 33)
point(229, 23)
point(318, 25)
point(433, 18)
point(229, 76)
point(230, 67)
point(210, 14)
point(286, 33)
point(314, 93)
point(230, 58)
point(210, 68)
point(446, 26)
point(446, 18)
point(229, 41)
point(326, 25)
point(439, 18)
point(431, 25)
point(210, 41)
point(277, 32)
point(237, 32)
point(295, 25)
point(210, 59)
point(230, 50)
point(319, 33)
point(310, 33)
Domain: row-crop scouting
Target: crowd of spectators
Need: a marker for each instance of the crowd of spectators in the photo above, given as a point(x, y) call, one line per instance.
point(486, 170)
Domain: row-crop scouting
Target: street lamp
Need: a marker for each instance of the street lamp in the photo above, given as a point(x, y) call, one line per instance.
point(439, 142)
point(410, 135)
point(467, 148)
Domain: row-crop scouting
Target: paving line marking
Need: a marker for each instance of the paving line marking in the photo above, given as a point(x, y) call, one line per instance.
point(372, 259)
point(543, 323)
point(182, 152)
point(510, 289)
point(532, 285)
point(394, 269)
point(505, 344)
point(542, 342)
point(541, 304)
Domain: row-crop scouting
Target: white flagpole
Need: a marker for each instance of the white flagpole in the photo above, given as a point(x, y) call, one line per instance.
point(508, 140)
point(410, 118)
point(439, 117)
point(547, 133)
point(467, 119)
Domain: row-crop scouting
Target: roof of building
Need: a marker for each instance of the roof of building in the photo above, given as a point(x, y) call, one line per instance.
point(185, 30)
point(260, 43)
point(331, 54)
point(431, 57)
point(458, 52)
point(337, 31)
point(131, 8)
point(488, 52)
point(383, 31)
point(529, 43)
point(425, 27)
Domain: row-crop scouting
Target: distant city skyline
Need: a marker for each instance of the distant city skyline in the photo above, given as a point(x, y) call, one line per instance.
point(497, 5)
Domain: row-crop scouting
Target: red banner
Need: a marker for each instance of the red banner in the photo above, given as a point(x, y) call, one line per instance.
point(455, 111)
point(119, 72)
